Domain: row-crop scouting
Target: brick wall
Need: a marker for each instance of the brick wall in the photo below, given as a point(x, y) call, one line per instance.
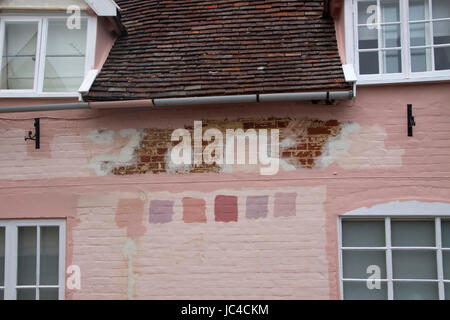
point(312, 135)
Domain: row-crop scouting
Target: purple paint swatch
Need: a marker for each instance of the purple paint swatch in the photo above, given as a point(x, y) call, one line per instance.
point(257, 207)
point(226, 209)
point(285, 204)
point(161, 211)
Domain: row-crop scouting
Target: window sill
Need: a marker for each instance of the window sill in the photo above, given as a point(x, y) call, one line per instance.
point(418, 79)
point(20, 95)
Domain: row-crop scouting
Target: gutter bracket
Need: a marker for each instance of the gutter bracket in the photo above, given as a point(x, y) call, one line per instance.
point(328, 101)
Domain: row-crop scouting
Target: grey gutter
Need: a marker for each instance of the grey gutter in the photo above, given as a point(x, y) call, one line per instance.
point(173, 102)
point(301, 96)
point(47, 107)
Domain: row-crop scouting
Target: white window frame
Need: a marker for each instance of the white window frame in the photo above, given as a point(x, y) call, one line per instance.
point(409, 211)
point(352, 55)
point(11, 242)
point(42, 19)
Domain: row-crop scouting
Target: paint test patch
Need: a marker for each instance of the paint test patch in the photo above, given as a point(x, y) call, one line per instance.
point(226, 209)
point(161, 211)
point(129, 215)
point(285, 204)
point(257, 207)
point(194, 210)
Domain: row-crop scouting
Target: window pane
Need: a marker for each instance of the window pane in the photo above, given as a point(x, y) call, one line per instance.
point(49, 256)
point(390, 10)
point(442, 58)
point(363, 233)
point(446, 262)
point(416, 291)
point(357, 262)
point(19, 55)
point(421, 60)
point(65, 57)
point(441, 9)
point(2, 256)
point(359, 291)
point(420, 34)
point(26, 256)
point(414, 264)
point(445, 228)
point(418, 10)
point(392, 61)
point(447, 291)
point(368, 38)
point(26, 294)
point(2, 297)
point(441, 32)
point(48, 294)
point(365, 11)
point(368, 63)
point(413, 233)
point(391, 36)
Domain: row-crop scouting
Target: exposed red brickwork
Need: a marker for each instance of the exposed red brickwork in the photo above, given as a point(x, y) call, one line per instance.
point(308, 138)
point(150, 155)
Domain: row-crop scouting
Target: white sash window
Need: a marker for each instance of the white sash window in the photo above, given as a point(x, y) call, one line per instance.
point(32, 260)
point(45, 56)
point(398, 40)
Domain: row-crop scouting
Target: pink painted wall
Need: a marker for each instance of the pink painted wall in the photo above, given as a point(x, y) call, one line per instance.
point(338, 14)
point(289, 252)
point(105, 40)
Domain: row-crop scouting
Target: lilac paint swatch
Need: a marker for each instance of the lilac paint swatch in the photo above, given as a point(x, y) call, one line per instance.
point(161, 211)
point(257, 207)
point(285, 204)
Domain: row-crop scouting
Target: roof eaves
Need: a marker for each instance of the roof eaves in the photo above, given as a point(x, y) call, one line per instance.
point(104, 8)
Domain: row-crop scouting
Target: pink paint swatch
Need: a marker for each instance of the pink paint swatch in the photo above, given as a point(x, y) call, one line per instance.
point(257, 207)
point(129, 215)
point(226, 209)
point(161, 211)
point(194, 210)
point(285, 204)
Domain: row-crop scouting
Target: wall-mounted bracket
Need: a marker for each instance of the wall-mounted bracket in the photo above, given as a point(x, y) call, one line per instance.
point(411, 121)
point(37, 133)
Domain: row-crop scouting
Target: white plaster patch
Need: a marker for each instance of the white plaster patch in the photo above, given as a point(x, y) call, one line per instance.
point(105, 163)
point(338, 146)
point(406, 208)
point(129, 250)
point(359, 147)
point(293, 166)
point(102, 137)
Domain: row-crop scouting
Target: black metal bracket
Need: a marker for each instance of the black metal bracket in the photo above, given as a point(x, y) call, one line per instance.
point(411, 121)
point(328, 101)
point(37, 133)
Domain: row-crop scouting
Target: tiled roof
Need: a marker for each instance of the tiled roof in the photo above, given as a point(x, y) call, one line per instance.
point(191, 48)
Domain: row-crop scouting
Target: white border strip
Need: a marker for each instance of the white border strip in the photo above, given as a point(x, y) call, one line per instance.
point(407, 208)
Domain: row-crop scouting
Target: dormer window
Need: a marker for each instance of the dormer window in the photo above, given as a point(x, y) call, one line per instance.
point(400, 40)
point(44, 56)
